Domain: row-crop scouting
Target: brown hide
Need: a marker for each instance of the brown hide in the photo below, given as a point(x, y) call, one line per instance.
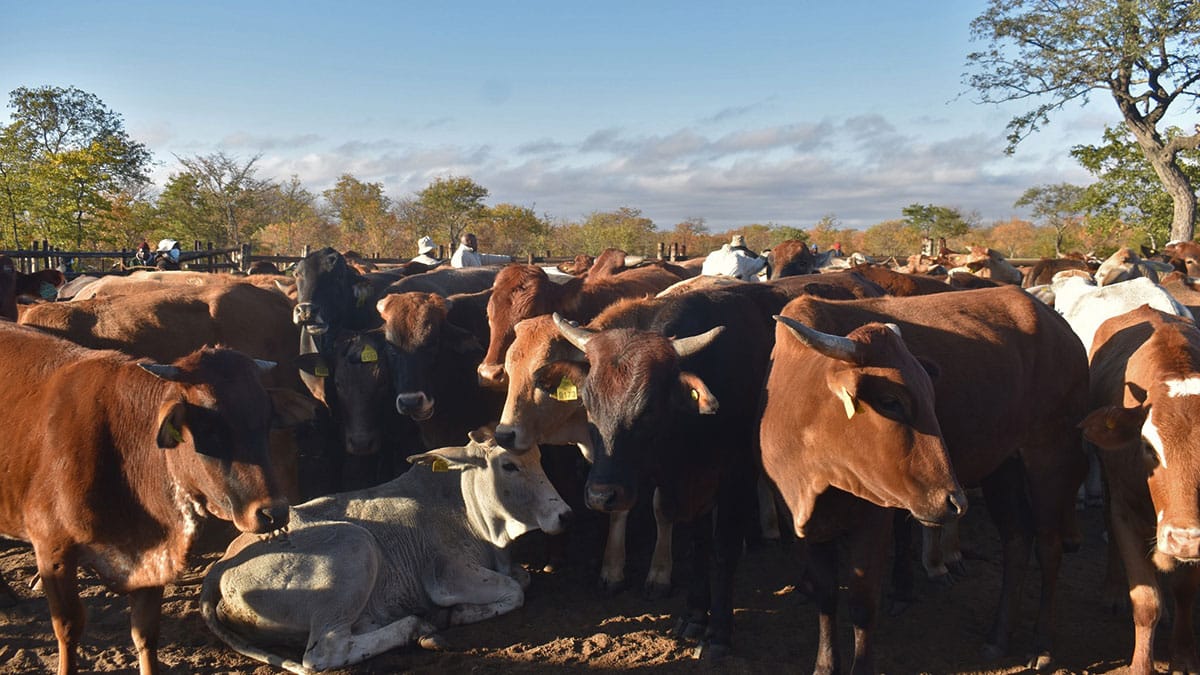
point(1145, 390)
point(1043, 271)
point(900, 284)
point(1184, 256)
point(1011, 388)
point(524, 291)
point(166, 323)
point(102, 468)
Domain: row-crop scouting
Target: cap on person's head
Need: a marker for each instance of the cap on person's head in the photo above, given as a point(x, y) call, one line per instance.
point(738, 240)
point(425, 245)
point(167, 244)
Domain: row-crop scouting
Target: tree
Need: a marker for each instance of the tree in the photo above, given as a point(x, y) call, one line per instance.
point(451, 206)
point(229, 185)
point(62, 159)
point(693, 235)
point(297, 221)
point(930, 222)
point(1127, 194)
point(891, 238)
point(513, 230)
point(185, 213)
point(624, 228)
point(1145, 54)
point(364, 214)
point(1012, 237)
point(1057, 205)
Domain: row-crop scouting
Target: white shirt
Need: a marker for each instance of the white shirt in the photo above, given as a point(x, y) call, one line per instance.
point(426, 259)
point(468, 257)
point(725, 262)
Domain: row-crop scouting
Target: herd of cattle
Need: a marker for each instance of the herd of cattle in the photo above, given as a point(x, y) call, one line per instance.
point(854, 398)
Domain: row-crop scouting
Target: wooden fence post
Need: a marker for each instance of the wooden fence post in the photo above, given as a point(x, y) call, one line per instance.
point(662, 249)
point(244, 263)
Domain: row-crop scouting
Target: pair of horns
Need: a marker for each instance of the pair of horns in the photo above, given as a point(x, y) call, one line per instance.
point(683, 346)
point(833, 346)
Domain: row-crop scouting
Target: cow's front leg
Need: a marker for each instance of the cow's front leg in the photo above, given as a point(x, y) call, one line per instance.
point(473, 592)
point(612, 571)
point(658, 580)
point(145, 611)
point(57, 569)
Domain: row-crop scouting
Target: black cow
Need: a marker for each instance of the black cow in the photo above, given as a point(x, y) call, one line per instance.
point(653, 412)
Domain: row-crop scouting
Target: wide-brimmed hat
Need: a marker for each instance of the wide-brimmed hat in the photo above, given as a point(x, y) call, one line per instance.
point(738, 240)
point(425, 245)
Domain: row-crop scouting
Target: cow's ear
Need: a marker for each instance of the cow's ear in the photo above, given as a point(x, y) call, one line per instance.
point(844, 384)
point(696, 396)
point(562, 380)
point(1113, 427)
point(449, 459)
point(170, 424)
point(290, 408)
point(314, 364)
point(362, 293)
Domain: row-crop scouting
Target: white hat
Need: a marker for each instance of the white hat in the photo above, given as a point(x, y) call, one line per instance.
point(738, 240)
point(167, 244)
point(425, 245)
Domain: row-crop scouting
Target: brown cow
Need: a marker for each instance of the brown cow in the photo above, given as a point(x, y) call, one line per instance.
point(524, 291)
point(111, 464)
point(1184, 256)
point(1011, 391)
point(1145, 390)
point(171, 321)
point(1043, 271)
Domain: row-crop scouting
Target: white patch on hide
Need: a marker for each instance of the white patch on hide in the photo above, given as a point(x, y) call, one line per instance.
point(1150, 435)
point(1185, 387)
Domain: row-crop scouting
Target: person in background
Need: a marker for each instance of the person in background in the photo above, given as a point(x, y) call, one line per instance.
point(467, 254)
point(143, 256)
point(425, 249)
point(837, 249)
point(734, 260)
point(167, 255)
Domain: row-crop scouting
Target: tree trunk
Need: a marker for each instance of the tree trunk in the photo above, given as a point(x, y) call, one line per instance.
point(1174, 180)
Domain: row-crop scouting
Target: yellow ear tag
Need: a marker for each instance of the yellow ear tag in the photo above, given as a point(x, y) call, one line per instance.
point(695, 395)
point(321, 371)
point(567, 391)
point(1110, 424)
point(173, 432)
point(852, 405)
point(369, 355)
point(440, 465)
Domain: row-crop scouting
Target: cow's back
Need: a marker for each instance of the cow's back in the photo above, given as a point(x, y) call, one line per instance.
point(1011, 370)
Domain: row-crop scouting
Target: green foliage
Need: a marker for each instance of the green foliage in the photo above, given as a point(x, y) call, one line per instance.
point(367, 223)
point(226, 186)
point(1127, 198)
point(62, 159)
point(930, 221)
point(514, 230)
point(1145, 54)
point(1057, 205)
point(449, 206)
point(624, 228)
point(892, 238)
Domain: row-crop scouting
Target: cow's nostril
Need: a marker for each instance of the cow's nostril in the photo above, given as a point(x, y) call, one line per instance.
point(505, 439)
point(956, 502)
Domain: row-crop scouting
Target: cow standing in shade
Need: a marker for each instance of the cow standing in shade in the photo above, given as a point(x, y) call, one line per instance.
point(376, 569)
point(110, 464)
point(1145, 392)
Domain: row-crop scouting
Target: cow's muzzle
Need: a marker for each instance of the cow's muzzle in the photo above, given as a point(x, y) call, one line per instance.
point(492, 376)
point(415, 404)
point(950, 507)
point(263, 516)
point(1182, 543)
point(608, 497)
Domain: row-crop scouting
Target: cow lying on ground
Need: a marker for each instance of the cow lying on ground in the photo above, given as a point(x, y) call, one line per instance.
point(382, 568)
point(110, 464)
point(1145, 390)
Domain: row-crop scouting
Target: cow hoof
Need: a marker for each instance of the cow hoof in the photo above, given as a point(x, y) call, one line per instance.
point(942, 581)
point(656, 591)
point(434, 643)
point(688, 630)
point(611, 588)
point(710, 651)
point(992, 652)
point(1039, 662)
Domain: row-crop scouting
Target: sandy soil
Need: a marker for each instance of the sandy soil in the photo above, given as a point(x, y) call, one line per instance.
point(567, 626)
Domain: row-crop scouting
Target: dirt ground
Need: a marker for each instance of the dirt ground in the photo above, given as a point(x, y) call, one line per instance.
point(568, 626)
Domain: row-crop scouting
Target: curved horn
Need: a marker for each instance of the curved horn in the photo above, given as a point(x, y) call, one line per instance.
point(574, 334)
point(833, 346)
point(160, 370)
point(894, 328)
point(690, 345)
point(632, 260)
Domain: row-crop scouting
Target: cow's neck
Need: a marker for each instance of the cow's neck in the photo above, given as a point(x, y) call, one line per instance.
point(482, 520)
point(570, 298)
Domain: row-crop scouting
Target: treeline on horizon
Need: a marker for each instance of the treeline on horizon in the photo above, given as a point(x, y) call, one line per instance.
point(70, 174)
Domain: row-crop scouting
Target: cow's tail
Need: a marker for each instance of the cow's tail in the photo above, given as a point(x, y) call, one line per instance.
point(210, 595)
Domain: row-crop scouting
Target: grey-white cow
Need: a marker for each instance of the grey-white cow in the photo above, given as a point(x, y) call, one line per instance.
point(359, 573)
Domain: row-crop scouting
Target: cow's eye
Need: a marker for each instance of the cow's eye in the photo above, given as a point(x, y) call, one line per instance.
point(508, 466)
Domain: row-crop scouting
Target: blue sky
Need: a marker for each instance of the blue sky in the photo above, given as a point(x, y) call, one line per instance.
point(733, 112)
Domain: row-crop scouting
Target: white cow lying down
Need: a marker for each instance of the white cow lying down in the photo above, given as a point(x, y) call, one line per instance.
point(359, 573)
